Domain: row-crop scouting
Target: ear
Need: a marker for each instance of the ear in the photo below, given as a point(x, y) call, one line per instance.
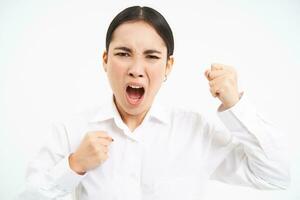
point(169, 66)
point(104, 60)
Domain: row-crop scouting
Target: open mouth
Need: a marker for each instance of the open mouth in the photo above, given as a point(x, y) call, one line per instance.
point(135, 94)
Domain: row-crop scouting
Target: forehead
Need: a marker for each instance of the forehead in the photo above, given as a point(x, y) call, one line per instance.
point(137, 35)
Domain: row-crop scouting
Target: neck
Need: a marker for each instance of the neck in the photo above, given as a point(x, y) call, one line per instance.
point(132, 121)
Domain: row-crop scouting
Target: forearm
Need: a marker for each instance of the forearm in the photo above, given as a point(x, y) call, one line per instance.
point(262, 148)
point(58, 181)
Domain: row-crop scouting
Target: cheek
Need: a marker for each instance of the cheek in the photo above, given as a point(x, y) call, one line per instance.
point(115, 70)
point(156, 76)
point(115, 73)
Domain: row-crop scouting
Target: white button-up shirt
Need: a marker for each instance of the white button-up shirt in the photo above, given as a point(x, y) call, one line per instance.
point(171, 155)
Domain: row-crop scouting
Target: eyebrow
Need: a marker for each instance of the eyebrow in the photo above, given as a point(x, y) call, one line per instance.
point(149, 51)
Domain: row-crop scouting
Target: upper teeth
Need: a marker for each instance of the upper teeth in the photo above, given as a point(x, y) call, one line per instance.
point(135, 86)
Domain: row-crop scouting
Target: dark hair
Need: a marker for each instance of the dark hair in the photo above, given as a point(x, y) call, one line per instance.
point(150, 16)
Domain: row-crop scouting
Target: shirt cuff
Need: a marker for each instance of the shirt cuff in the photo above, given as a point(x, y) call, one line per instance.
point(232, 117)
point(64, 177)
point(245, 124)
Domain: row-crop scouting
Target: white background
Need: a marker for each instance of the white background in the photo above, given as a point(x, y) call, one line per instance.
point(50, 68)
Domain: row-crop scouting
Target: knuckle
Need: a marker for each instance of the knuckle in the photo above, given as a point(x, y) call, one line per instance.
point(231, 81)
point(94, 148)
point(104, 148)
point(213, 65)
point(102, 133)
point(89, 138)
point(213, 93)
point(105, 157)
point(227, 83)
point(87, 135)
point(100, 155)
point(105, 142)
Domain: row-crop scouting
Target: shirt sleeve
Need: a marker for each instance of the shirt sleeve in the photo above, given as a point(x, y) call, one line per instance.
point(258, 151)
point(49, 175)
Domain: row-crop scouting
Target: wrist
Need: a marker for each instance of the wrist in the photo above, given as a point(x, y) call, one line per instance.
point(228, 105)
point(75, 166)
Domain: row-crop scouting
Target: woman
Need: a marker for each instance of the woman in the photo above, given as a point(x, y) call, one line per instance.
point(133, 148)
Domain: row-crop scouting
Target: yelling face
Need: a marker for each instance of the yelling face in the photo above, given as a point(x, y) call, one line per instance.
point(136, 65)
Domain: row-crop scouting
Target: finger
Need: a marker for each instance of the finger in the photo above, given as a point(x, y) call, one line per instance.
point(104, 141)
point(217, 66)
point(212, 92)
point(100, 149)
point(216, 91)
point(100, 134)
point(216, 74)
point(105, 156)
point(217, 81)
point(206, 73)
point(104, 149)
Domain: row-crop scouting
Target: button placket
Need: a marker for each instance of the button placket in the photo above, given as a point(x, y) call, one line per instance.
point(134, 160)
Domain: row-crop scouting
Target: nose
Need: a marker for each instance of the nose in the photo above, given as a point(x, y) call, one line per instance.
point(136, 69)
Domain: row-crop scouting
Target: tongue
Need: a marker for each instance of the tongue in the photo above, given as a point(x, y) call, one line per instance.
point(134, 93)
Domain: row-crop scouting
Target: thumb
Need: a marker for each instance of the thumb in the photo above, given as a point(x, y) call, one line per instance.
point(206, 73)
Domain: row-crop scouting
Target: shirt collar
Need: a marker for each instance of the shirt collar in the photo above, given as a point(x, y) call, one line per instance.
point(109, 111)
point(159, 112)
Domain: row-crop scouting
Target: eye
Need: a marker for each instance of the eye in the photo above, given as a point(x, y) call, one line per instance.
point(122, 54)
point(152, 57)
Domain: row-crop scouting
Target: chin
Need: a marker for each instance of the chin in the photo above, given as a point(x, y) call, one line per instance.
point(136, 110)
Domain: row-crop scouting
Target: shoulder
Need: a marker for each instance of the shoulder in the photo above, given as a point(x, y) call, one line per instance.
point(76, 122)
point(70, 130)
point(187, 119)
point(186, 115)
point(193, 124)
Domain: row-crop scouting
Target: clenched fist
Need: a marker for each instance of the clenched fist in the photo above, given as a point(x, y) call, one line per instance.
point(92, 151)
point(223, 84)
